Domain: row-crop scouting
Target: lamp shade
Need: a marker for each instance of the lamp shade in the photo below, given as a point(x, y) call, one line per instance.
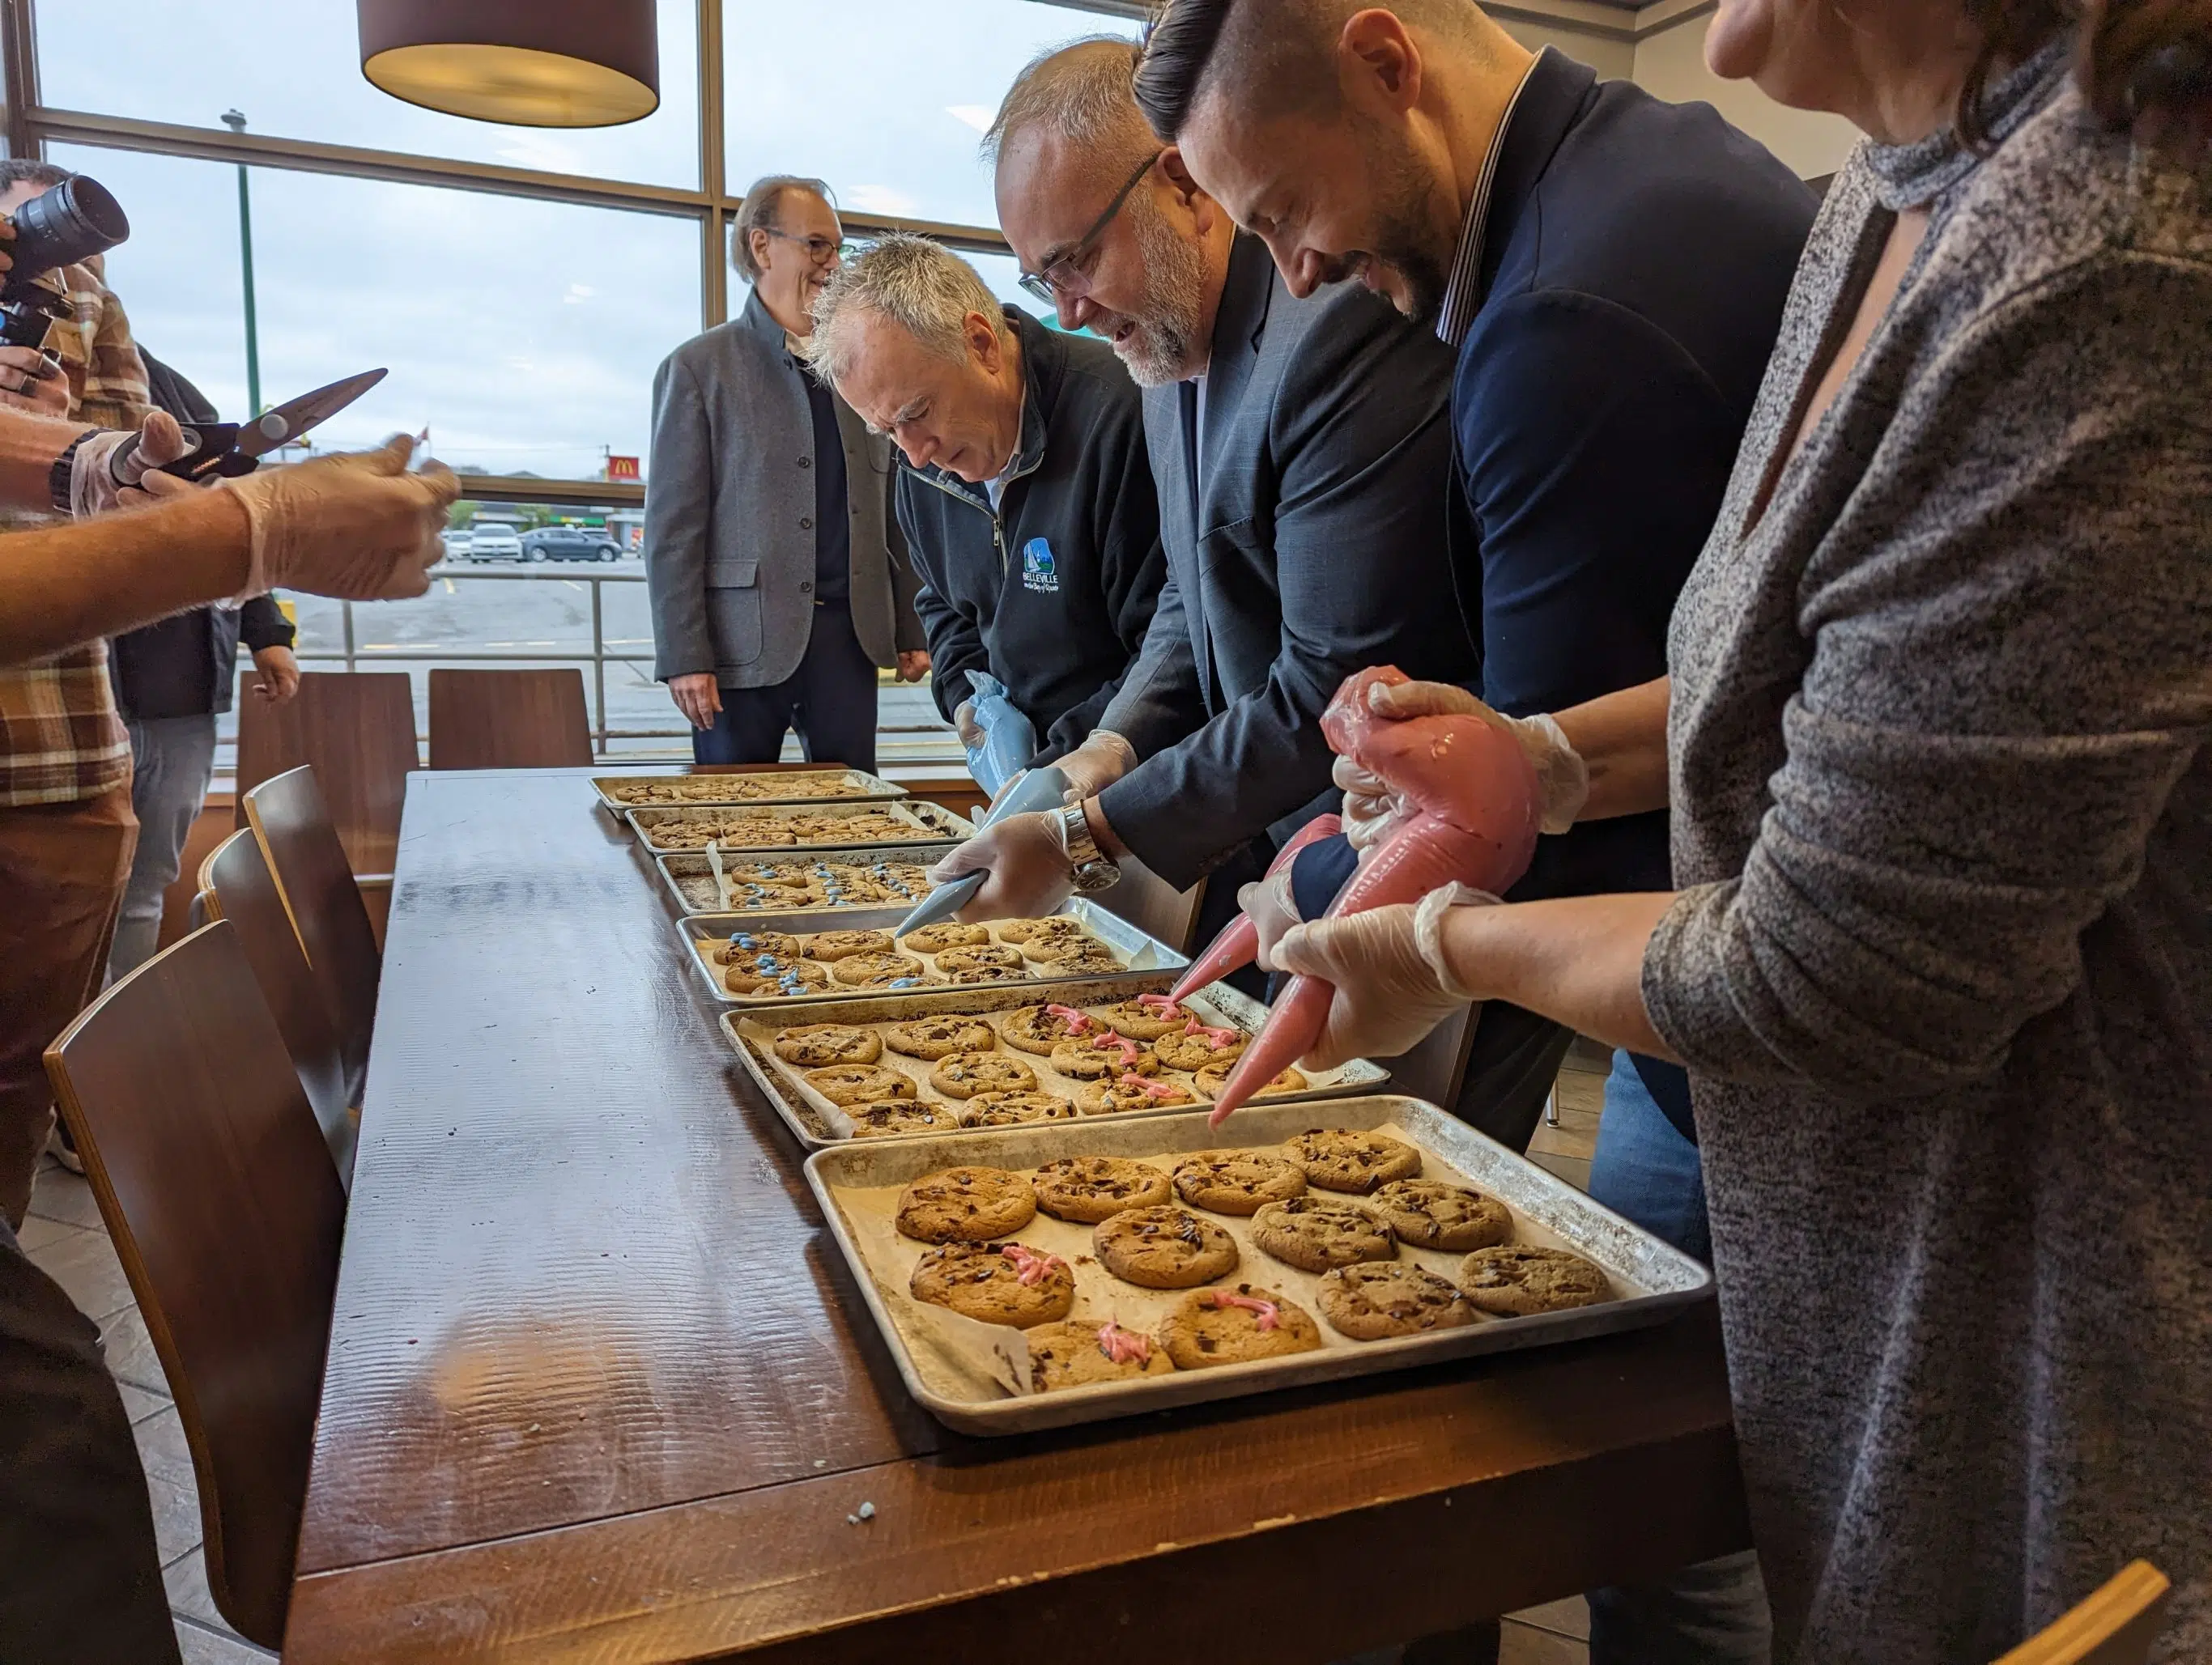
point(528, 62)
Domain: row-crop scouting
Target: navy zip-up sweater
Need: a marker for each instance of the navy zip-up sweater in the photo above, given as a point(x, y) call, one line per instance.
point(1051, 594)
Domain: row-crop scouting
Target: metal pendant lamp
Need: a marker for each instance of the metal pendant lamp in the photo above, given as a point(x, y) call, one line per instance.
point(525, 62)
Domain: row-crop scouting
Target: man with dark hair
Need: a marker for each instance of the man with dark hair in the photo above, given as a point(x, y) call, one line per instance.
point(779, 578)
point(1610, 271)
point(1303, 456)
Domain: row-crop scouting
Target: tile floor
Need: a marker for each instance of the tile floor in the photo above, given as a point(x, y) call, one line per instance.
point(65, 1236)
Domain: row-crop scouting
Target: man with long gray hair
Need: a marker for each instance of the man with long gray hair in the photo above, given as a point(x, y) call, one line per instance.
point(779, 582)
point(1026, 501)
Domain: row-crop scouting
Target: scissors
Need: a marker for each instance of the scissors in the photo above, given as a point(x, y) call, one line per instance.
point(234, 448)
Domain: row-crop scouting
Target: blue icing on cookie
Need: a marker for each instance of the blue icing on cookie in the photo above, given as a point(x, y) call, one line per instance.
point(904, 982)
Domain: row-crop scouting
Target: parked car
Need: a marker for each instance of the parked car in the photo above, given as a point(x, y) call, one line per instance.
point(493, 543)
point(570, 543)
point(457, 544)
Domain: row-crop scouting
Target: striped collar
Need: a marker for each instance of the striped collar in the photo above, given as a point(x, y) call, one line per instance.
point(1463, 291)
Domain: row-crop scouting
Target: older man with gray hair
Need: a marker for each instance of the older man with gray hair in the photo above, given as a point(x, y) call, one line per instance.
point(1026, 501)
point(779, 584)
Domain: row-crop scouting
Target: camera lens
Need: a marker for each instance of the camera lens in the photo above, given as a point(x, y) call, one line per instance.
point(77, 218)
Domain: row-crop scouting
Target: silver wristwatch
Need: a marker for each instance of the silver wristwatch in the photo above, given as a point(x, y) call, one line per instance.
point(1094, 870)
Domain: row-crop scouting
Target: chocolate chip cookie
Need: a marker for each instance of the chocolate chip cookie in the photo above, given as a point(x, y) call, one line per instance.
point(743, 945)
point(1236, 1182)
point(771, 974)
point(1211, 1080)
point(1203, 1049)
point(842, 945)
point(1516, 1279)
point(999, 1283)
point(1059, 928)
point(859, 1083)
point(1090, 1188)
point(1076, 1352)
point(992, 957)
point(1339, 1159)
point(1163, 1248)
point(1092, 960)
point(1316, 1234)
point(1038, 1029)
point(1430, 1214)
point(931, 1039)
point(963, 1074)
point(1373, 1302)
point(1145, 1018)
point(817, 1044)
point(861, 967)
point(966, 1205)
point(882, 1117)
point(936, 939)
point(1006, 1109)
point(1128, 1092)
point(1094, 1057)
point(1212, 1326)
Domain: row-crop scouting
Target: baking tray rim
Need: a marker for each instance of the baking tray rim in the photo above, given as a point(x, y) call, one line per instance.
point(960, 832)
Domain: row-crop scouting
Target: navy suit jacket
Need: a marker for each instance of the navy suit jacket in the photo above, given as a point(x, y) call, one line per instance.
point(1636, 259)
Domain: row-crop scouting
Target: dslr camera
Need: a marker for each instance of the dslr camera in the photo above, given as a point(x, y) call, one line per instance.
point(74, 220)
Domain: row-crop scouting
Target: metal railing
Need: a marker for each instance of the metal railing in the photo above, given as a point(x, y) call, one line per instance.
point(915, 742)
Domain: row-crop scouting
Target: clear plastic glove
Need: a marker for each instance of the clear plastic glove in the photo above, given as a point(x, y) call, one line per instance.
point(1097, 764)
point(1393, 982)
point(117, 469)
point(1272, 907)
point(1372, 811)
point(360, 527)
point(1027, 860)
point(965, 725)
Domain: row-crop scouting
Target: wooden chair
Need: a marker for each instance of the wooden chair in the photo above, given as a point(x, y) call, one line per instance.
point(218, 1193)
point(508, 719)
point(323, 901)
point(358, 730)
point(2115, 1625)
point(237, 876)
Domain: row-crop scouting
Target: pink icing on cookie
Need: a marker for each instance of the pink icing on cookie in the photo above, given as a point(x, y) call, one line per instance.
point(1108, 1039)
point(1216, 1039)
point(1149, 1088)
point(1077, 1022)
point(1265, 1312)
point(1161, 1004)
point(1123, 1345)
point(1028, 1265)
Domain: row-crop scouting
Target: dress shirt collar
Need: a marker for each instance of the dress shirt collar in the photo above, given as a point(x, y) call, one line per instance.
point(1463, 291)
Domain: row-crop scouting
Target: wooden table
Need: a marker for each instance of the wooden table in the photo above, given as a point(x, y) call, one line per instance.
point(600, 1386)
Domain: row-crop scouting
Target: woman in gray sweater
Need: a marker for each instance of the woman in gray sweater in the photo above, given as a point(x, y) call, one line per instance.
point(1941, 960)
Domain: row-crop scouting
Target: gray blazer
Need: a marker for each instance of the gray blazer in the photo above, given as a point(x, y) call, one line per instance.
point(1315, 549)
point(729, 506)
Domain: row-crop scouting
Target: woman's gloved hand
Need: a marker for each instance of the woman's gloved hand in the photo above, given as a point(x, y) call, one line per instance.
point(1372, 811)
point(358, 526)
point(1272, 905)
point(1393, 982)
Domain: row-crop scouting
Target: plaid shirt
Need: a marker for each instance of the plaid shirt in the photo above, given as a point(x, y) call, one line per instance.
point(61, 739)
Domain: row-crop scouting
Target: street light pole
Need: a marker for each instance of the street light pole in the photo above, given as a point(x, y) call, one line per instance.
point(236, 122)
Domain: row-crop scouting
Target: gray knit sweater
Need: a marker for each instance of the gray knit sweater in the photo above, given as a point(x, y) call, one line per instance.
point(1942, 966)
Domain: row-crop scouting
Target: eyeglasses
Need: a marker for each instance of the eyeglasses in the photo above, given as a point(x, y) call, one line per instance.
point(1068, 278)
point(820, 250)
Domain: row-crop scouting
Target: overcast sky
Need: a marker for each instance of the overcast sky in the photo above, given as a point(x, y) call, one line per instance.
point(524, 334)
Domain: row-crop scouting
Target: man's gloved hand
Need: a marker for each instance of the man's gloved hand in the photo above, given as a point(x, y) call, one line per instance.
point(1095, 765)
point(1272, 907)
point(117, 469)
point(1392, 982)
point(1027, 860)
point(1372, 811)
point(964, 723)
point(360, 526)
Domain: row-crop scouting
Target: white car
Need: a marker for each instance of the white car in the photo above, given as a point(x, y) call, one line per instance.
point(457, 544)
point(494, 543)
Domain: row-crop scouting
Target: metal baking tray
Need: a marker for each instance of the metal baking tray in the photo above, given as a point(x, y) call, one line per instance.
point(932, 824)
point(942, 1357)
point(750, 1031)
point(794, 786)
point(688, 878)
point(703, 933)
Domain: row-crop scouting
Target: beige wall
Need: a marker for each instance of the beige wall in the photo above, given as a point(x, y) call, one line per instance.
point(1613, 60)
point(1671, 65)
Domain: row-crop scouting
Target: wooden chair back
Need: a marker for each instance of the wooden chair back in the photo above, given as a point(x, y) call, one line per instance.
point(218, 1193)
point(325, 906)
point(237, 876)
point(2115, 1625)
point(357, 729)
point(508, 719)
point(1152, 906)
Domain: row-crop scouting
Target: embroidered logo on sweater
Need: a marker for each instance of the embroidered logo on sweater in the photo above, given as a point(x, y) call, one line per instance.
point(1039, 571)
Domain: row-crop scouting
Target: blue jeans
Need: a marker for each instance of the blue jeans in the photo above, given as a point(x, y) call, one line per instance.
point(172, 761)
point(1714, 1613)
